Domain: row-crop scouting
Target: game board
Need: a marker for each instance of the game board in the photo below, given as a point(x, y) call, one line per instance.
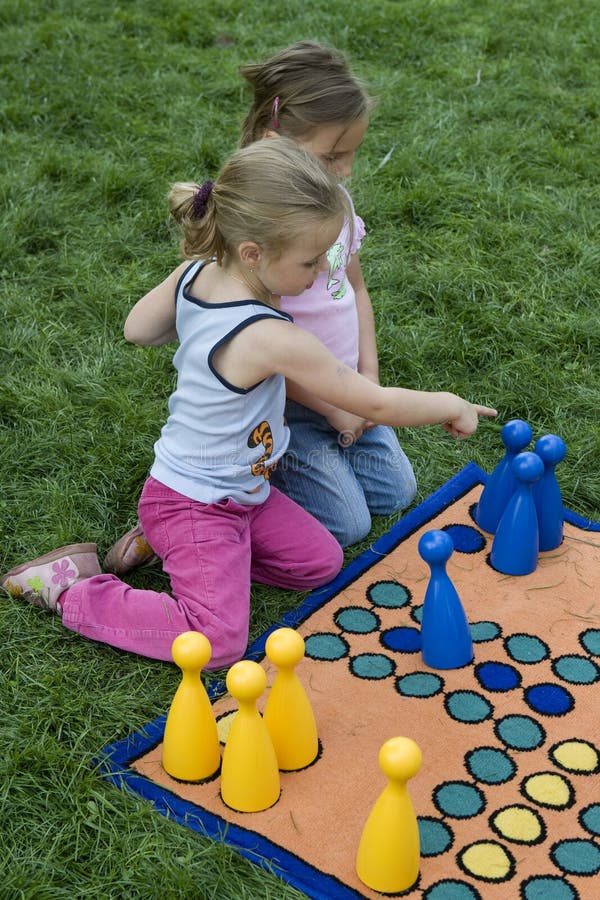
point(508, 796)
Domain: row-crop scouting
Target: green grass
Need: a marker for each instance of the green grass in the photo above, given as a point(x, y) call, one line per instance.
point(478, 182)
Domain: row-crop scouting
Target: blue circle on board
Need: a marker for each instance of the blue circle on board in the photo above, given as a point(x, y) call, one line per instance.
point(468, 706)
point(325, 646)
point(450, 889)
point(459, 799)
point(495, 676)
point(520, 732)
point(373, 666)
point(490, 765)
point(402, 639)
point(577, 857)
point(434, 835)
point(576, 669)
point(590, 818)
point(388, 594)
point(547, 887)
point(465, 538)
point(356, 620)
point(590, 641)
point(526, 648)
point(484, 631)
point(419, 684)
point(549, 699)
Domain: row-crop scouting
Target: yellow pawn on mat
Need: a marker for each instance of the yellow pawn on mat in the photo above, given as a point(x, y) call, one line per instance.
point(191, 750)
point(389, 850)
point(288, 712)
point(249, 771)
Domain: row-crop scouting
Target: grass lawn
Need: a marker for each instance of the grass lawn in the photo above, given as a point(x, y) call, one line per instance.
point(478, 183)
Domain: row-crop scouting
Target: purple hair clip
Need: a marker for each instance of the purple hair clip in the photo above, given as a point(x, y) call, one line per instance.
point(275, 113)
point(200, 199)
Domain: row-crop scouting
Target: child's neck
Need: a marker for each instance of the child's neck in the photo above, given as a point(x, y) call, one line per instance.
point(254, 285)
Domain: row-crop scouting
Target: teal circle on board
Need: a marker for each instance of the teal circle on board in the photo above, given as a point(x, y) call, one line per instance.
point(576, 669)
point(468, 707)
point(434, 835)
point(416, 613)
point(577, 857)
point(373, 666)
point(451, 889)
point(356, 620)
point(526, 648)
point(590, 818)
point(459, 799)
point(590, 641)
point(484, 631)
point(547, 887)
point(489, 765)
point(520, 732)
point(325, 646)
point(388, 594)
point(419, 684)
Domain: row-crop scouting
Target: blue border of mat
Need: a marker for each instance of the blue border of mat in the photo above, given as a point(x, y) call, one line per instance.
point(115, 760)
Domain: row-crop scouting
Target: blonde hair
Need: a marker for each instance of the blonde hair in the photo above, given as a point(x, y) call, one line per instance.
point(268, 192)
point(299, 89)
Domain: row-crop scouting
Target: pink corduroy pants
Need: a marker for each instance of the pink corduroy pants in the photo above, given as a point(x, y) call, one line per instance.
point(211, 554)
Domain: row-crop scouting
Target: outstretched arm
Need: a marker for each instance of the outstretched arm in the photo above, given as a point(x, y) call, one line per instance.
point(275, 347)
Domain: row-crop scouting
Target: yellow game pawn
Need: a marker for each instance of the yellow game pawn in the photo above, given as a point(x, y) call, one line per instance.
point(389, 851)
point(288, 712)
point(249, 773)
point(191, 750)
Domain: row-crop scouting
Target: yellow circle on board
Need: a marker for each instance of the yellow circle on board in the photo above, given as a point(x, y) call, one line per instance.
point(487, 860)
point(224, 724)
point(576, 756)
point(518, 823)
point(548, 789)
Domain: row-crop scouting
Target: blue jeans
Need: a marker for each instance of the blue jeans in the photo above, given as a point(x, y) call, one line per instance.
point(343, 486)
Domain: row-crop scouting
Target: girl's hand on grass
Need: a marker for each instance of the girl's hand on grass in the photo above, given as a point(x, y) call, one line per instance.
point(465, 423)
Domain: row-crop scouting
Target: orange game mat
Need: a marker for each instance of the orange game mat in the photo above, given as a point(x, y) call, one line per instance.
point(508, 796)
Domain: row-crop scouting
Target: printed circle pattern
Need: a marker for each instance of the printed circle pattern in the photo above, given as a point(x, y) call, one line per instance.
point(576, 756)
point(490, 765)
point(451, 889)
point(356, 620)
point(547, 887)
point(576, 669)
point(388, 594)
point(465, 538)
point(519, 824)
point(495, 676)
point(526, 648)
point(468, 706)
point(458, 799)
point(481, 632)
point(549, 699)
point(488, 861)
point(590, 641)
point(548, 789)
point(577, 857)
point(520, 732)
point(374, 666)
point(402, 639)
point(325, 646)
point(435, 836)
point(419, 684)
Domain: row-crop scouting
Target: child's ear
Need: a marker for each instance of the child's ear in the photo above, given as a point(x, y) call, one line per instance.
point(269, 133)
point(249, 253)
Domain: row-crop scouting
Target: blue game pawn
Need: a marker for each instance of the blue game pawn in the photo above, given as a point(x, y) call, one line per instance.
point(501, 484)
point(445, 636)
point(516, 542)
point(546, 493)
